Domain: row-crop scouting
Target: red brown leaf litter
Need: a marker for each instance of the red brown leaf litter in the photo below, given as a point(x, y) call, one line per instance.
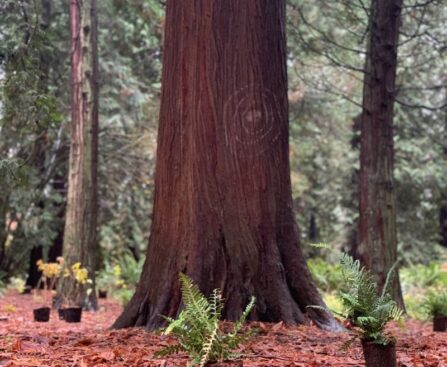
point(24, 343)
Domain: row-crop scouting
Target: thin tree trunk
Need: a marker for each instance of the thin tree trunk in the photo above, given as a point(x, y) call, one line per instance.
point(4, 205)
point(443, 210)
point(377, 223)
point(443, 222)
point(313, 228)
point(81, 214)
point(352, 235)
point(222, 203)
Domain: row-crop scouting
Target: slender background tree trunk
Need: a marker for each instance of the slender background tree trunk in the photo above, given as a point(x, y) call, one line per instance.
point(377, 222)
point(443, 210)
point(81, 214)
point(223, 204)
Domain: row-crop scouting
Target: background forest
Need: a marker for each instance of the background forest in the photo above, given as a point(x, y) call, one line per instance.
point(326, 54)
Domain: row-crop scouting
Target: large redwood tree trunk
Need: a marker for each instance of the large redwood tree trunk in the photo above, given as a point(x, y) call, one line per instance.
point(377, 247)
point(223, 205)
point(81, 214)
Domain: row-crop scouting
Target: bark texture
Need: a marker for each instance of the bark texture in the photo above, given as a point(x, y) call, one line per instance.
point(377, 247)
point(222, 204)
point(443, 209)
point(443, 221)
point(81, 213)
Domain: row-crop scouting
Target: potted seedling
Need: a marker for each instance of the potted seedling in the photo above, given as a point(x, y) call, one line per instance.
point(435, 305)
point(77, 279)
point(50, 274)
point(367, 313)
point(103, 283)
point(109, 279)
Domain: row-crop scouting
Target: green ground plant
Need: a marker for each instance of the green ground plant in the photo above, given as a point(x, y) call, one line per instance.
point(119, 276)
point(366, 310)
point(422, 276)
point(197, 328)
point(16, 283)
point(328, 277)
point(415, 281)
point(435, 302)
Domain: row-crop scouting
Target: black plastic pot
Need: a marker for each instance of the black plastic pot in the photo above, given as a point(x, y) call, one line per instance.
point(377, 355)
point(102, 293)
point(61, 313)
point(27, 290)
point(439, 323)
point(72, 314)
point(41, 314)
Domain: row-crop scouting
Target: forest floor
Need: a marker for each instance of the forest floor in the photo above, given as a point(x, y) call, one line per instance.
point(25, 343)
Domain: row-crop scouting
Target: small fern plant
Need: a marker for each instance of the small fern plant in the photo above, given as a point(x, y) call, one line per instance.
point(435, 302)
point(197, 327)
point(365, 309)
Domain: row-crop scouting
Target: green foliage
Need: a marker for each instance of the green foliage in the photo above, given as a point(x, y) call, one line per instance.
point(106, 278)
point(2, 288)
point(120, 276)
point(325, 42)
point(14, 173)
point(422, 276)
point(197, 327)
point(415, 281)
point(130, 268)
point(435, 302)
point(328, 277)
point(364, 308)
point(17, 284)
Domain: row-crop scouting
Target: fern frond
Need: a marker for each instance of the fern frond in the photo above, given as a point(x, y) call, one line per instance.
point(216, 304)
point(238, 324)
point(208, 344)
point(195, 302)
point(322, 308)
point(169, 350)
point(389, 279)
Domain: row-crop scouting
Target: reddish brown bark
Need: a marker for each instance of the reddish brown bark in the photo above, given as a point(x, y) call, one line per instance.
point(222, 205)
point(81, 213)
point(377, 247)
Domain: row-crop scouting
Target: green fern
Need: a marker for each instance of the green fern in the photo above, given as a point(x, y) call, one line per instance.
point(435, 302)
point(365, 309)
point(197, 327)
